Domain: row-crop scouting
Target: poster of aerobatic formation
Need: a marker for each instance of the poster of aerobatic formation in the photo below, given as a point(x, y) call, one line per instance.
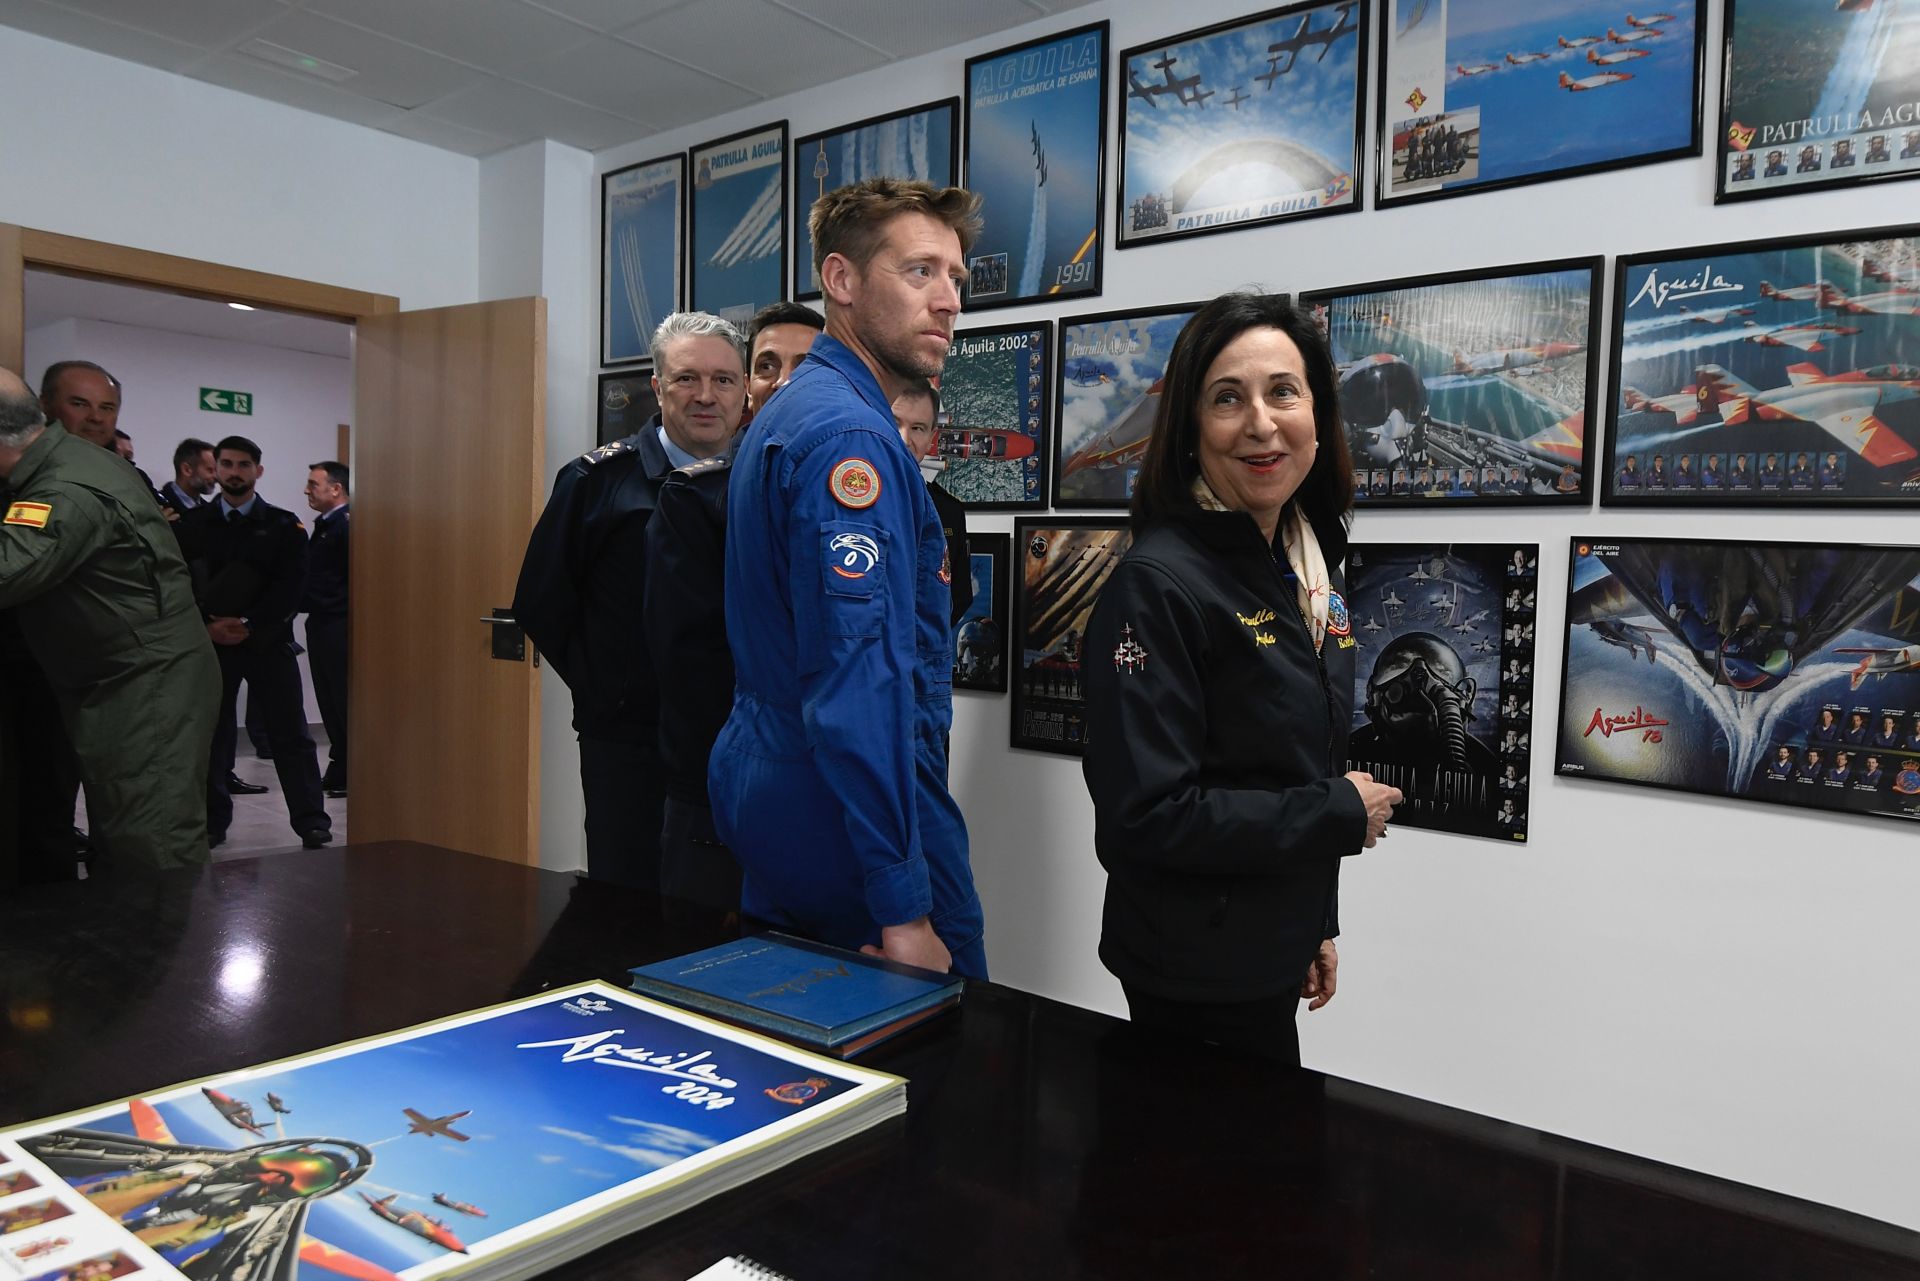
point(992, 434)
point(1477, 94)
point(1818, 95)
point(1768, 373)
point(1443, 680)
point(1779, 672)
point(1036, 154)
point(980, 638)
point(739, 202)
point(920, 142)
point(1468, 388)
point(1108, 373)
point(1062, 563)
point(642, 231)
point(1253, 121)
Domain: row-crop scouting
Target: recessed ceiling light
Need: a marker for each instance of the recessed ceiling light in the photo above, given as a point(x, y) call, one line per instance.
point(239, 306)
point(280, 55)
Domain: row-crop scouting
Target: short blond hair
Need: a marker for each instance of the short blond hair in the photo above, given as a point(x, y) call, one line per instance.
point(851, 220)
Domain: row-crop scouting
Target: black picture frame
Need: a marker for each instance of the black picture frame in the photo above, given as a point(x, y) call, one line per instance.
point(1106, 365)
point(980, 637)
point(1394, 358)
point(1803, 345)
point(826, 174)
point(623, 403)
point(1711, 712)
point(1315, 182)
point(1782, 54)
point(737, 228)
point(1010, 160)
point(632, 201)
point(1048, 709)
point(1405, 100)
point(996, 416)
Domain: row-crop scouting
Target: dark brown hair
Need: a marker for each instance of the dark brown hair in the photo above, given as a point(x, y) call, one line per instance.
point(851, 220)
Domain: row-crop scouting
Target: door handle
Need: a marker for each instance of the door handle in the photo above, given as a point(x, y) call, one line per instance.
point(509, 641)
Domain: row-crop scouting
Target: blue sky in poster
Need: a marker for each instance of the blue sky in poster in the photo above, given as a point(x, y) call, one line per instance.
point(643, 246)
point(737, 228)
point(914, 146)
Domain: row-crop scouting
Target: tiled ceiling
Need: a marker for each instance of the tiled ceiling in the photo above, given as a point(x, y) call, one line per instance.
point(476, 76)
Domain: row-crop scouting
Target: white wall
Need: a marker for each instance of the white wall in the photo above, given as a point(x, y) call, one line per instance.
point(1721, 985)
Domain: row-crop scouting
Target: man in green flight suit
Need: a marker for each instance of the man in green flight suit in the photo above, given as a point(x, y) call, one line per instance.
point(97, 584)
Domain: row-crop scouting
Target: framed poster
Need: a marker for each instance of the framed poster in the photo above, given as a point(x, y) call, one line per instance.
point(1108, 374)
point(1468, 388)
point(626, 403)
point(1816, 96)
point(739, 216)
point(1036, 154)
point(1767, 373)
point(642, 233)
point(980, 640)
point(1779, 672)
point(1281, 140)
point(1064, 562)
point(921, 142)
point(1482, 94)
point(992, 433)
point(1443, 680)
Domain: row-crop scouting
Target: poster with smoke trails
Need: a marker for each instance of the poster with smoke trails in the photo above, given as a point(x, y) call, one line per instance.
point(642, 232)
point(1036, 154)
point(739, 258)
point(1109, 374)
point(1063, 563)
point(1818, 95)
point(1253, 121)
point(920, 142)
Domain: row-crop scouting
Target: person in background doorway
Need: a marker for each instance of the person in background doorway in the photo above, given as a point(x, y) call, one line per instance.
point(195, 478)
point(325, 606)
point(83, 398)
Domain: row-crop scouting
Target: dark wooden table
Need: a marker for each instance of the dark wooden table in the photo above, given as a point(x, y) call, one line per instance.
point(1040, 1141)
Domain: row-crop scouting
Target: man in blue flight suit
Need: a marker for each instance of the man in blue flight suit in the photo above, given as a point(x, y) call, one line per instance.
point(829, 780)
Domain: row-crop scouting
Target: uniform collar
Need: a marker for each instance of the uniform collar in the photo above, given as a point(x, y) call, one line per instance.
point(832, 352)
point(229, 512)
point(34, 456)
point(653, 455)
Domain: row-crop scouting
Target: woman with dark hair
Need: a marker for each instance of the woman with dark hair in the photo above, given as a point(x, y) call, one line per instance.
point(1218, 671)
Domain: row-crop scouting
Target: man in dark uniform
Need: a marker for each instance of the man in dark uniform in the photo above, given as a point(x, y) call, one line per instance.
point(582, 589)
point(917, 410)
point(249, 561)
point(195, 477)
point(325, 606)
point(99, 591)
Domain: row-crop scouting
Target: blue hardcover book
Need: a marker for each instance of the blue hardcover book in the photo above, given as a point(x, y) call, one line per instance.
point(827, 997)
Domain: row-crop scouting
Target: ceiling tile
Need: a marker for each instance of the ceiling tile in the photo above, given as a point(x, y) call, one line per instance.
point(521, 113)
point(753, 43)
point(606, 15)
point(387, 70)
point(93, 33)
point(446, 136)
point(211, 24)
point(903, 30)
point(500, 35)
point(634, 83)
point(249, 75)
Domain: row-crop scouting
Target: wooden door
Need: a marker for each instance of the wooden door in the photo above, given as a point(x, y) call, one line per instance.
point(449, 437)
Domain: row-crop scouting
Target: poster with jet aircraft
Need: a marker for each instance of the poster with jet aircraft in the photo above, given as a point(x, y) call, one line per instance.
point(1473, 387)
point(739, 220)
point(1817, 95)
point(991, 442)
point(920, 143)
point(1036, 156)
point(1109, 371)
point(1063, 562)
point(1779, 672)
point(1482, 94)
point(1252, 121)
point(1768, 373)
point(642, 231)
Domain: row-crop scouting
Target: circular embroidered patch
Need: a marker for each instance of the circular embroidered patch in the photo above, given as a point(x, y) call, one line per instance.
point(854, 484)
point(1339, 622)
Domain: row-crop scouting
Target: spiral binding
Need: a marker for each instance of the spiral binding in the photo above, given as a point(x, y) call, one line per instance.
point(740, 1266)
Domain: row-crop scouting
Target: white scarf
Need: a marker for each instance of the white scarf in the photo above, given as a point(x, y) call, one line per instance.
point(1304, 558)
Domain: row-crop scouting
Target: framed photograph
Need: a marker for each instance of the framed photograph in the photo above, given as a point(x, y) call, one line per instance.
point(1468, 388)
point(1686, 669)
point(1036, 153)
point(643, 219)
point(980, 640)
point(738, 261)
point(921, 142)
point(1443, 680)
point(992, 434)
point(1280, 139)
point(1064, 562)
point(1108, 374)
point(1768, 373)
point(626, 403)
point(1482, 94)
point(1815, 96)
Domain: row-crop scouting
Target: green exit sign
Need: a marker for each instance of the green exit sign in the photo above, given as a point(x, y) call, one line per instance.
point(215, 400)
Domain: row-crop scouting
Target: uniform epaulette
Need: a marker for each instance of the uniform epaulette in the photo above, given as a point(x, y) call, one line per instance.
point(701, 465)
point(614, 450)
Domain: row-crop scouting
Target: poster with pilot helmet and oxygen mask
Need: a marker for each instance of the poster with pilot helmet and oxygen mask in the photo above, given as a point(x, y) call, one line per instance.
point(1443, 680)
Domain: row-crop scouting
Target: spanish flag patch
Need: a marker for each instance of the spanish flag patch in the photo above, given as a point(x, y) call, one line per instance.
point(32, 515)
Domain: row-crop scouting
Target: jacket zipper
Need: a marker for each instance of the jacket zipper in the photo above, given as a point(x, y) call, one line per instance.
point(1319, 659)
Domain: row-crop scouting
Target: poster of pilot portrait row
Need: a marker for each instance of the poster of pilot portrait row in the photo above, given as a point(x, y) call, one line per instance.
point(642, 232)
point(494, 1144)
point(1779, 672)
point(1468, 388)
point(992, 433)
point(920, 142)
point(1443, 680)
point(1817, 96)
point(1109, 371)
point(1061, 563)
point(1480, 94)
point(1768, 373)
point(1252, 121)
point(1036, 156)
point(739, 240)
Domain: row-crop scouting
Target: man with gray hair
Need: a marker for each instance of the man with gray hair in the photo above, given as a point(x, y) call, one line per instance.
point(97, 585)
point(583, 586)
